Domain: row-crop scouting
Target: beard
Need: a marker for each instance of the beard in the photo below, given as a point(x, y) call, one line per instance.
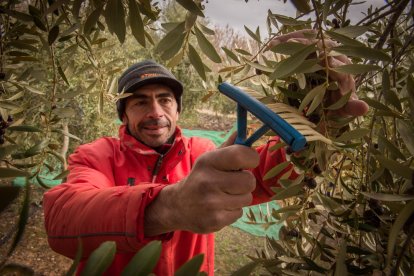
point(153, 132)
point(163, 122)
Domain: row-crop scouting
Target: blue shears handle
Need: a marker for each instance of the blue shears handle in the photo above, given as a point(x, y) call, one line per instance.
point(270, 120)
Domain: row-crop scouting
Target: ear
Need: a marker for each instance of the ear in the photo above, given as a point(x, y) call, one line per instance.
point(124, 119)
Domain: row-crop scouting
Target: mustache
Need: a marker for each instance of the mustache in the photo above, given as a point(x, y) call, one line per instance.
point(162, 122)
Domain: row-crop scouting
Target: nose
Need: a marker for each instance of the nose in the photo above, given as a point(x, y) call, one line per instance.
point(155, 110)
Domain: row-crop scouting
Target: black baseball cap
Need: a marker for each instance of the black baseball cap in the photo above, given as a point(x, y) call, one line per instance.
point(143, 73)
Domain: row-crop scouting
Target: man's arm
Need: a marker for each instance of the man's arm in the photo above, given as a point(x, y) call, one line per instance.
point(89, 206)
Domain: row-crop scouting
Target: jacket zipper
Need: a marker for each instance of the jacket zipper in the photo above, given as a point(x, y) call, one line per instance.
point(157, 168)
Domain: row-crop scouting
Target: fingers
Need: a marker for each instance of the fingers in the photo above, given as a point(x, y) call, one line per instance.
point(230, 140)
point(232, 202)
point(307, 34)
point(345, 82)
point(230, 158)
point(216, 190)
point(235, 182)
point(356, 108)
point(344, 59)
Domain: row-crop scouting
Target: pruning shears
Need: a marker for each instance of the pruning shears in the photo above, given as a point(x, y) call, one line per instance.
point(270, 120)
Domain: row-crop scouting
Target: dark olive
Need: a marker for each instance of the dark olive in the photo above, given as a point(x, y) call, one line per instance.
point(310, 183)
point(289, 150)
point(371, 218)
point(293, 233)
point(314, 118)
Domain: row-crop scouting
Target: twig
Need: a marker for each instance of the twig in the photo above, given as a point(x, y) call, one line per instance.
point(273, 37)
point(403, 249)
point(243, 79)
point(374, 13)
point(390, 26)
point(407, 43)
point(380, 16)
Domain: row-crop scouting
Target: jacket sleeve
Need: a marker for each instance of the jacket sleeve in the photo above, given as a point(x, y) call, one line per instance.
point(90, 207)
point(268, 159)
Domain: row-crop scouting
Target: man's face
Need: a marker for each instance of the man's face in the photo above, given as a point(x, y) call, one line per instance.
point(151, 114)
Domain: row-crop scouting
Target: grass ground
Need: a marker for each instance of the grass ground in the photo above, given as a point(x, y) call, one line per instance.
point(233, 246)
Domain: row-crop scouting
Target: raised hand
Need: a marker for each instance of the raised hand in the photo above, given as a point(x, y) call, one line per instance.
point(346, 82)
point(210, 198)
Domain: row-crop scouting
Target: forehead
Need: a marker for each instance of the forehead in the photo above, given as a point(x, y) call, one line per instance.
point(150, 90)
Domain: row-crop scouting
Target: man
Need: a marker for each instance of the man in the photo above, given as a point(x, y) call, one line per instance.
point(155, 184)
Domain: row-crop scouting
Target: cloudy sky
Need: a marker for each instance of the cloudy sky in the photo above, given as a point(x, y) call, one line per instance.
point(237, 13)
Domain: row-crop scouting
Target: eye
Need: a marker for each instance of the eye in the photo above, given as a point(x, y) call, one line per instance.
point(165, 100)
point(140, 102)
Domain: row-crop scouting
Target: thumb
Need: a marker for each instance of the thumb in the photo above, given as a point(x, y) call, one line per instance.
point(229, 141)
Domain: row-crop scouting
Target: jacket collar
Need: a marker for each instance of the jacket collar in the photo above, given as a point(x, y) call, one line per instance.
point(129, 142)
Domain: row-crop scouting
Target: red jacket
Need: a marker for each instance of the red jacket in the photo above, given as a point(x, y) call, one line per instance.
point(110, 184)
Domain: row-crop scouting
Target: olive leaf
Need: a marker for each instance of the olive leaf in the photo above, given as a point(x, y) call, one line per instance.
point(206, 46)
point(406, 131)
point(191, 6)
point(302, 5)
point(353, 134)
point(11, 172)
point(276, 170)
point(356, 68)
point(196, 62)
point(281, 193)
point(170, 38)
point(288, 66)
point(396, 167)
point(289, 21)
point(341, 102)
point(341, 268)
point(258, 66)
point(344, 39)
point(396, 228)
point(115, 18)
point(230, 54)
point(246, 269)
point(352, 31)
point(174, 48)
point(143, 263)
point(252, 34)
point(91, 20)
point(311, 95)
point(192, 267)
point(288, 48)
point(362, 52)
point(24, 128)
point(389, 94)
point(100, 259)
point(136, 23)
point(388, 197)
point(316, 100)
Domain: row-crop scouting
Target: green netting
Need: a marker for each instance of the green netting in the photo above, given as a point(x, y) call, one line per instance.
point(260, 227)
point(218, 137)
point(46, 178)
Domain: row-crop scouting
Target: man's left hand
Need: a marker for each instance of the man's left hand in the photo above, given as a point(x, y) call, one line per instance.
point(346, 82)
